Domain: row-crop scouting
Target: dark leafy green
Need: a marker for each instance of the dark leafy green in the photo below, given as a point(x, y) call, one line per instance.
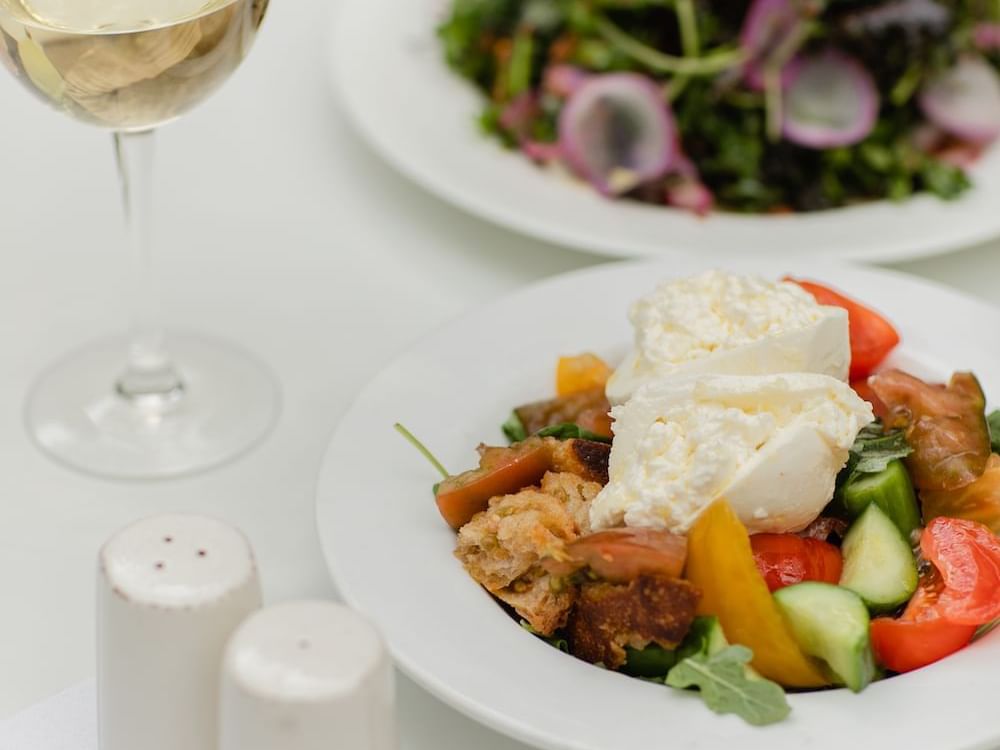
point(873, 450)
point(556, 641)
point(726, 687)
point(993, 421)
point(570, 431)
point(513, 429)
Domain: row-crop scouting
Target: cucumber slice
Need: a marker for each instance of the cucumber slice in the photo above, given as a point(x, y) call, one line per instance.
point(891, 490)
point(831, 624)
point(878, 562)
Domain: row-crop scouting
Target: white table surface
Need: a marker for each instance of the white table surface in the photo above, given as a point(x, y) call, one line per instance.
point(280, 230)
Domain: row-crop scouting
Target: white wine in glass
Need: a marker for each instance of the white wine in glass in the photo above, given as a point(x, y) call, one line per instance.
point(149, 405)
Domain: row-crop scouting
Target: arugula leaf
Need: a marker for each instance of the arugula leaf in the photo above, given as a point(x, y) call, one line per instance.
point(993, 420)
point(513, 428)
point(982, 630)
point(570, 431)
point(873, 451)
point(724, 686)
point(556, 641)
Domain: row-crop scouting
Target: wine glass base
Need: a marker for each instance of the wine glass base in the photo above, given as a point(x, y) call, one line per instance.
point(229, 403)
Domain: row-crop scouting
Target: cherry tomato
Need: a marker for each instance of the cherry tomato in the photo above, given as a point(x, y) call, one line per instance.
point(872, 336)
point(787, 559)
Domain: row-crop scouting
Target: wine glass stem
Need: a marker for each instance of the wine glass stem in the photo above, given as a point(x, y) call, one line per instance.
point(149, 377)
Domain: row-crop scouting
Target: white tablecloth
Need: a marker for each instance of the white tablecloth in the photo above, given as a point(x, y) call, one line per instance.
point(280, 230)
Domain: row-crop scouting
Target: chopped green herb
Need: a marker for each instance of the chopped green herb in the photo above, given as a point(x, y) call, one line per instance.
point(873, 451)
point(982, 630)
point(556, 640)
point(513, 428)
point(412, 440)
point(570, 431)
point(726, 688)
point(993, 420)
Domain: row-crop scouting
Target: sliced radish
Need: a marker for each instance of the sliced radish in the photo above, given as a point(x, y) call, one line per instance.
point(986, 36)
point(517, 115)
point(617, 132)
point(691, 194)
point(830, 101)
point(766, 25)
point(965, 100)
point(562, 80)
point(541, 151)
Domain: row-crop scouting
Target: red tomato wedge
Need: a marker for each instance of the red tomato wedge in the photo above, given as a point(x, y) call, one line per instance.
point(961, 592)
point(622, 555)
point(967, 554)
point(501, 471)
point(787, 559)
point(872, 336)
point(918, 638)
point(945, 425)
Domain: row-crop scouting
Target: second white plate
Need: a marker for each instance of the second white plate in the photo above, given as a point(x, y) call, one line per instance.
point(391, 554)
point(422, 118)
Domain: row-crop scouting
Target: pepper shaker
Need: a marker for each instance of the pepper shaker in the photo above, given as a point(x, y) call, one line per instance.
point(307, 676)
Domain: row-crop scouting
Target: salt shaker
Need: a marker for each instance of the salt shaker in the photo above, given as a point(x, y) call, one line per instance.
point(307, 676)
point(171, 591)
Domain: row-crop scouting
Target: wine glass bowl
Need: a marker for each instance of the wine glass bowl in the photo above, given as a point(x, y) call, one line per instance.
point(126, 66)
point(153, 404)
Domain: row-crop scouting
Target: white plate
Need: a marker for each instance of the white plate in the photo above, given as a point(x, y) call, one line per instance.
point(421, 118)
point(391, 555)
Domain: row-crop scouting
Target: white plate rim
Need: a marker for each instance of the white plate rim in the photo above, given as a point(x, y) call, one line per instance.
point(458, 696)
point(875, 232)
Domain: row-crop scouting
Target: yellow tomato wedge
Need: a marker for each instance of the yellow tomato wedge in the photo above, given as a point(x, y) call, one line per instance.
point(581, 373)
point(720, 563)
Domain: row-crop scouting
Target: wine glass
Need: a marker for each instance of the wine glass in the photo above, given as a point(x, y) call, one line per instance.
point(147, 405)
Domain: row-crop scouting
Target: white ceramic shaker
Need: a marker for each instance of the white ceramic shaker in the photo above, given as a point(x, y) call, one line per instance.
point(171, 591)
point(307, 676)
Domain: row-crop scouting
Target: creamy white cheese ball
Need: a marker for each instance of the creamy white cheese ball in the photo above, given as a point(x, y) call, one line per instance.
point(771, 445)
point(724, 323)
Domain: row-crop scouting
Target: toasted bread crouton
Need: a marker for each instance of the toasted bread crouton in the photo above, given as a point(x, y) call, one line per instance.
point(608, 617)
point(501, 547)
point(585, 458)
point(541, 600)
point(576, 493)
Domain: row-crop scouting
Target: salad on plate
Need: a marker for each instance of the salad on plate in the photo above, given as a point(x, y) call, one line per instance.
point(753, 501)
point(768, 106)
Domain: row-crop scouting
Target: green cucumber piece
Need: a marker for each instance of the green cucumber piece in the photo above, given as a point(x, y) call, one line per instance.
point(878, 562)
point(890, 489)
point(831, 623)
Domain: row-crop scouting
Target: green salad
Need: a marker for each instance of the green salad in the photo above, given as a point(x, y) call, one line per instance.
point(767, 106)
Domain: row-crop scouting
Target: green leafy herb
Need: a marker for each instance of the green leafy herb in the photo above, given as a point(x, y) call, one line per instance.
point(556, 641)
point(726, 689)
point(570, 431)
point(873, 450)
point(513, 428)
point(993, 420)
point(652, 662)
point(982, 630)
point(412, 440)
